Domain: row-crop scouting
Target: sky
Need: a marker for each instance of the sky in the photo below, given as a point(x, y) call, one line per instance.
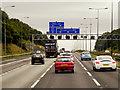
point(71, 12)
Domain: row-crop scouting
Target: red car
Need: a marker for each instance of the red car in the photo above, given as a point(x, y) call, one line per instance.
point(64, 64)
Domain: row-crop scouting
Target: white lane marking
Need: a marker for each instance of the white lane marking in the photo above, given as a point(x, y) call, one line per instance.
point(8, 60)
point(85, 69)
point(41, 76)
point(17, 61)
point(80, 63)
point(48, 69)
point(89, 74)
point(12, 70)
point(96, 82)
point(35, 84)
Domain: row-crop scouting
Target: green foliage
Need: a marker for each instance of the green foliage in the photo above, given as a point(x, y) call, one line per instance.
point(14, 28)
point(102, 45)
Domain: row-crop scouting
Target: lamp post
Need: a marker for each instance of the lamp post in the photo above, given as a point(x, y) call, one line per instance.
point(98, 10)
point(21, 33)
point(86, 36)
point(90, 28)
point(5, 28)
point(111, 25)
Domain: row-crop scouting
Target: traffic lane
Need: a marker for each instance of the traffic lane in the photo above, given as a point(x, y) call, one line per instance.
point(78, 79)
point(13, 65)
point(25, 76)
point(13, 59)
point(107, 78)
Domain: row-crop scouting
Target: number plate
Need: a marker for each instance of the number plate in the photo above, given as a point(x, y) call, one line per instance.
point(63, 64)
point(105, 64)
point(37, 60)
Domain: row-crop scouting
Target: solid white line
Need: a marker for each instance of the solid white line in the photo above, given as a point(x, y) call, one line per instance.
point(89, 74)
point(16, 61)
point(11, 70)
point(96, 82)
point(43, 75)
point(35, 84)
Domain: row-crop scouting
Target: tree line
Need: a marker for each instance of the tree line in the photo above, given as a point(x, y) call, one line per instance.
point(102, 45)
point(14, 27)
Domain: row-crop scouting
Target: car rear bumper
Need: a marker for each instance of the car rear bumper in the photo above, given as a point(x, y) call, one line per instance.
point(85, 58)
point(103, 67)
point(37, 60)
point(64, 68)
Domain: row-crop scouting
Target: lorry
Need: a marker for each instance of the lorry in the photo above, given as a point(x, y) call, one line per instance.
point(51, 48)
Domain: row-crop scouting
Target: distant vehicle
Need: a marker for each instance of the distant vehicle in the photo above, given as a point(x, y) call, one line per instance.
point(85, 56)
point(37, 58)
point(67, 52)
point(63, 49)
point(51, 48)
point(64, 64)
point(104, 62)
point(107, 51)
point(67, 55)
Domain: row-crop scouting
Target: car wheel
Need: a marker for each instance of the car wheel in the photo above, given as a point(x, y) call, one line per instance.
point(32, 63)
point(56, 71)
point(94, 69)
point(72, 71)
point(43, 62)
point(113, 69)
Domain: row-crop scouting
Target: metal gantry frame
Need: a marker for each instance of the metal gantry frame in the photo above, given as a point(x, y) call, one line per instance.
point(108, 37)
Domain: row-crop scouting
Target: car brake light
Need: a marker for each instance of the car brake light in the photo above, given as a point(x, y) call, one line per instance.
point(54, 54)
point(113, 62)
point(71, 56)
point(97, 62)
point(71, 63)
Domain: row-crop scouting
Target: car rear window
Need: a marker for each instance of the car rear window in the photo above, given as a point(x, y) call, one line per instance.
point(64, 60)
point(101, 58)
point(66, 55)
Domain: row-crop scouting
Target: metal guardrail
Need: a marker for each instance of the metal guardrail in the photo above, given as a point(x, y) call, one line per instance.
point(15, 55)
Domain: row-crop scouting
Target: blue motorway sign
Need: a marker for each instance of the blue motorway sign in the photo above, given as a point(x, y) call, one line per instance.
point(54, 25)
point(58, 27)
point(68, 30)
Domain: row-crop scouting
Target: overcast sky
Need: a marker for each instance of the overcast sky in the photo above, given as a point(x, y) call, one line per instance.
point(71, 12)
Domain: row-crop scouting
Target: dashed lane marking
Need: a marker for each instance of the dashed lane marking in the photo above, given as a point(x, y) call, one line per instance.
point(96, 82)
point(89, 74)
point(42, 76)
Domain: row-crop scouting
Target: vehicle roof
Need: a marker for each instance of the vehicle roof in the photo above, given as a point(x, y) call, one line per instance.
point(85, 52)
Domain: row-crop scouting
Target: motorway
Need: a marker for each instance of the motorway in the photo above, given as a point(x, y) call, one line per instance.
point(21, 74)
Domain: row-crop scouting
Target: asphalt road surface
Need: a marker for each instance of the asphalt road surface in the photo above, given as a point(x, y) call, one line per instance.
point(44, 76)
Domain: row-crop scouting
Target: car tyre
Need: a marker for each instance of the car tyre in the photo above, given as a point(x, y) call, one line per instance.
point(72, 71)
point(32, 63)
point(56, 71)
point(94, 69)
point(113, 69)
point(43, 62)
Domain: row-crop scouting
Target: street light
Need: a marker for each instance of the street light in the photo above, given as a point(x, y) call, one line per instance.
point(5, 28)
point(86, 36)
point(98, 9)
point(21, 33)
point(90, 29)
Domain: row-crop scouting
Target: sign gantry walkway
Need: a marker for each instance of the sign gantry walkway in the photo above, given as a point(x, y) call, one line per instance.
point(74, 36)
